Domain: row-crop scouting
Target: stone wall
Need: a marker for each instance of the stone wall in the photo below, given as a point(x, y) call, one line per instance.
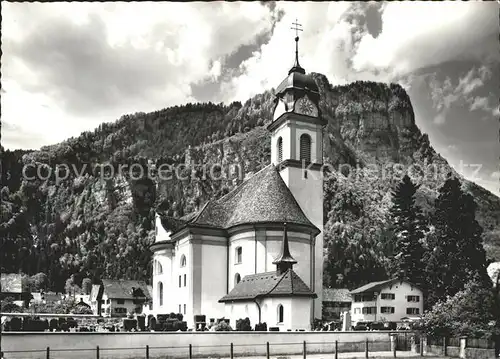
point(175, 344)
point(475, 353)
point(462, 352)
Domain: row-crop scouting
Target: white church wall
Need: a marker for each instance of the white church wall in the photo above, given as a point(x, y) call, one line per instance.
point(309, 194)
point(296, 313)
point(174, 295)
point(161, 233)
point(213, 280)
point(245, 240)
point(162, 272)
point(242, 310)
point(284, 132)
point(181, 301)
point(300, 314)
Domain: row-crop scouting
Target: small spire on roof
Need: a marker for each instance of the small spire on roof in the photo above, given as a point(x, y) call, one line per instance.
point(296, 66)
point(284, 261)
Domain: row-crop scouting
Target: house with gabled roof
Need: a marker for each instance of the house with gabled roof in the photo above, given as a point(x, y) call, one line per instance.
point(117, 298)
point(391, 300)
point(201, 258)
point(11, 287)
point(335, 302)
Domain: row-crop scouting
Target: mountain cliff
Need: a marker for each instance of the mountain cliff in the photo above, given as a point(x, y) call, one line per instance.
point(94, 219)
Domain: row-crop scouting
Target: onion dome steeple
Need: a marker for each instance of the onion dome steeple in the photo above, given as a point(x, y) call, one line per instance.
point(297, 91)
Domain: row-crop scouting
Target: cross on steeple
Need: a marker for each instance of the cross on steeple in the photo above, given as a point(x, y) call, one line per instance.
point(296, 66)
point(297, 27)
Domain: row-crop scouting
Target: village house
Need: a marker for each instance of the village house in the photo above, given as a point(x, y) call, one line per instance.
point(46, 297)
point(200, 258)
point(336, 301)
point(391, 300)
point(11, 287)
point(117, 298)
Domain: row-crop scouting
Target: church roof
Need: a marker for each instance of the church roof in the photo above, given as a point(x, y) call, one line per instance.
point(262, 198)
point(376, 286)
point(336, 295)
point(269, 284)
point(297, 80)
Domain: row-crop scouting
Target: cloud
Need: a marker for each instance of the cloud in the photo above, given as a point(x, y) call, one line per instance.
point(14, 136)
point(327, 35)
point(480, 103)
point(474, 79)
point(417, 35)
point(446, 94)
point(93, 61)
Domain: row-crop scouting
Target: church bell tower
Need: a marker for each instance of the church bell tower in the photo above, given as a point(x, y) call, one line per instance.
point(297, 151)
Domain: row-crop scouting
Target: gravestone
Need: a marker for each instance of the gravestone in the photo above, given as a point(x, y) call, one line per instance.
point(346, 322)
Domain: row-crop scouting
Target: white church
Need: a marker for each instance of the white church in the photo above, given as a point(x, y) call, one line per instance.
point(257, 252)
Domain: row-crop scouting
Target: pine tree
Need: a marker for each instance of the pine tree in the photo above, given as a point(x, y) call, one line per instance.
point(409, 230)
point(456, 251)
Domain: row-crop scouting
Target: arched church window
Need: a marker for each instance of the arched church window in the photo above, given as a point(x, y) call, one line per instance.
point(183, 261)
point(159, 269)
point(280, 313)
point(160, 293)
point(280, 149)
point(238, 255)
point(305, 148)
point(237, 278)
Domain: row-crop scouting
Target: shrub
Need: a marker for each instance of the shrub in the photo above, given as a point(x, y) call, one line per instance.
point(152, 323)
point(183, 326)
point(173, 315)
point(54, 324)
point(8, 306)
point(81, 309)
point(176, 326)
point(261, 327)
point(168, 326)
point(72, 323)
point(469, 312)
point(243, 325)
point(179, 317)
point(162, 317)
point(16, 324)
point(200, 318)
point(223, 327)
point(129, 324)
point(141, 322)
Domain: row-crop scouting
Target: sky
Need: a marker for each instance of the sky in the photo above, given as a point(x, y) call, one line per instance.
point(67, 67)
